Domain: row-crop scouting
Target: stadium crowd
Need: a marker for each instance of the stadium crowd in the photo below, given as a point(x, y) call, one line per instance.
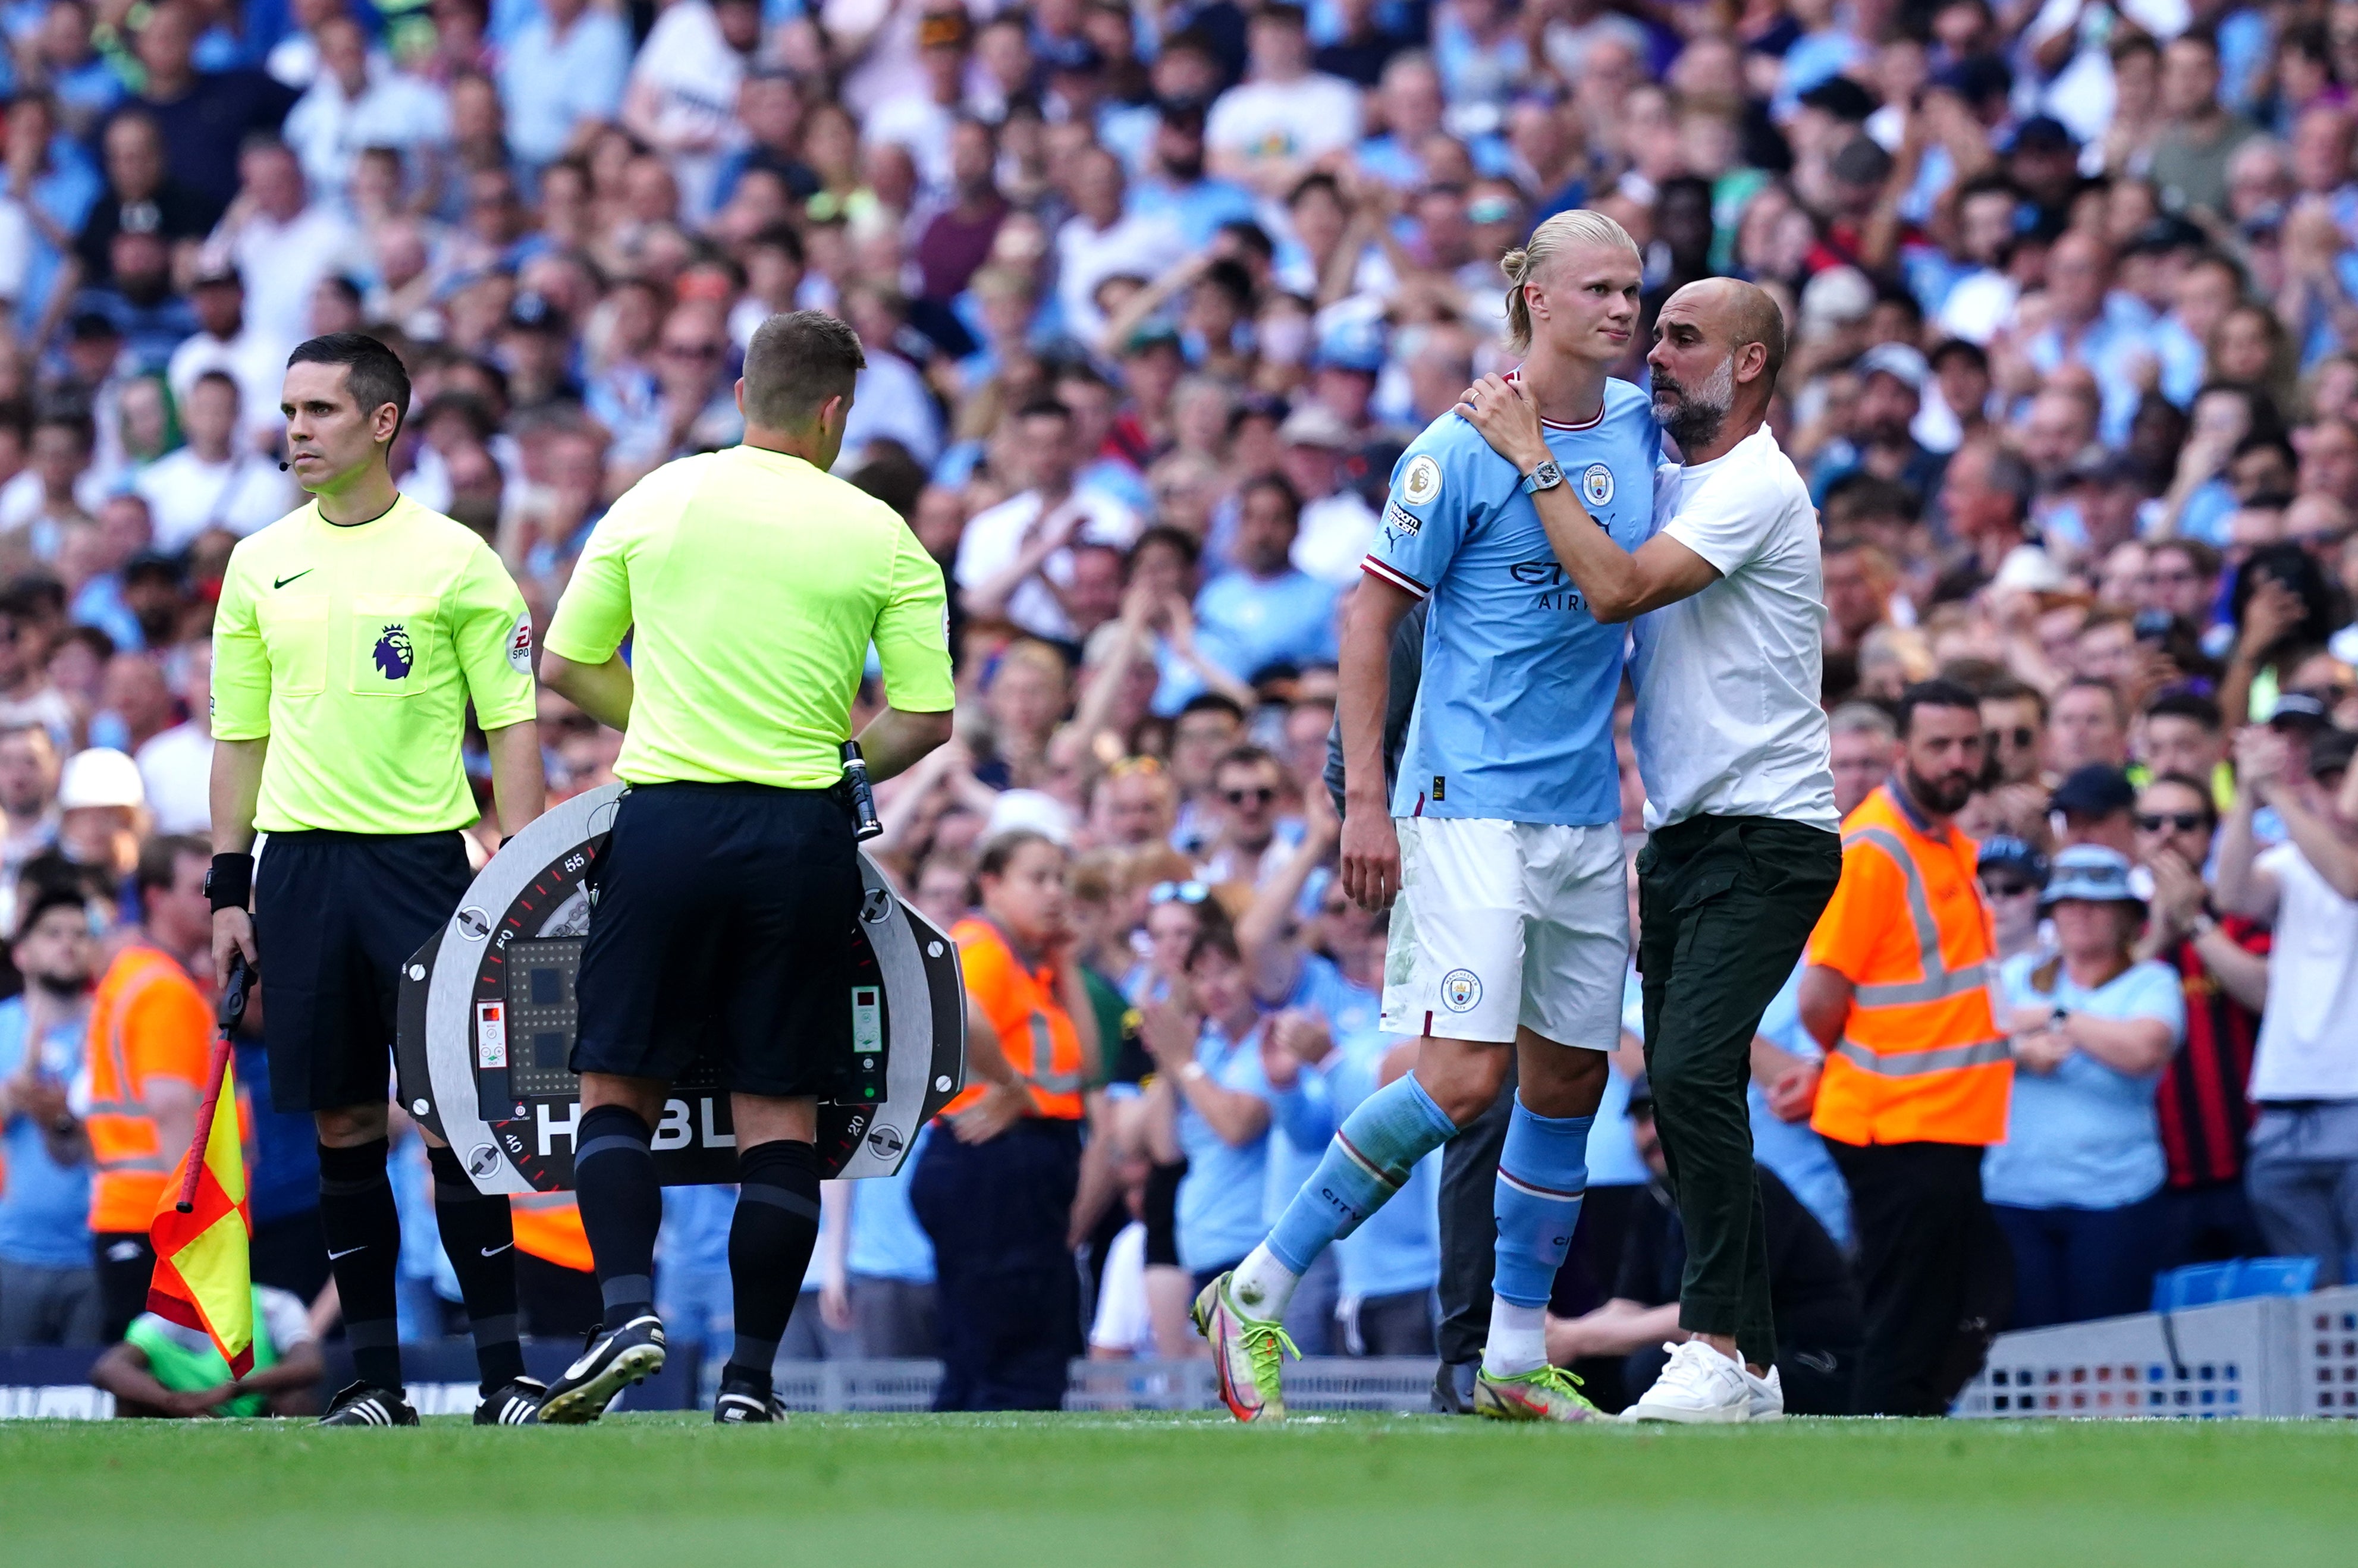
point(1152, 297)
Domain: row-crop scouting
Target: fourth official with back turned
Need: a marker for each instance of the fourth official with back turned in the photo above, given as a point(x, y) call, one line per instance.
point(752, 584)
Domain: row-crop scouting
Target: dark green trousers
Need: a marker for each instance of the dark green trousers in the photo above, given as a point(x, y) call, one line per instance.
point(1725, 907)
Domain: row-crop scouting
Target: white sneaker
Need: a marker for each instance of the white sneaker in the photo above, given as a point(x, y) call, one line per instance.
point(1767, 1396)
point(1700, 1386)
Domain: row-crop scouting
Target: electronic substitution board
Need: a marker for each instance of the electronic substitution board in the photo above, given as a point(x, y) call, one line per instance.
point(488, 1020)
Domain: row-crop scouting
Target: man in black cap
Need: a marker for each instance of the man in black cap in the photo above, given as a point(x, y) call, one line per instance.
point(2044, 161)
point(537, 345)
point(2097, 805)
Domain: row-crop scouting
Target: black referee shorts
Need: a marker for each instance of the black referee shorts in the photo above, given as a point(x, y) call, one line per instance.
point(336, 915)
point(725, 920)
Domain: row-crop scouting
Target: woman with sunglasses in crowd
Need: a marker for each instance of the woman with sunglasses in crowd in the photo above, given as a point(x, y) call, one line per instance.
point(2075, 1185)
point(2013, 874)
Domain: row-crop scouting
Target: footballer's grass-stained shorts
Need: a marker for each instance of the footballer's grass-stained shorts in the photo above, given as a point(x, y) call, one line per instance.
point(725, 921)
point(335, 916)
point(1505, 923)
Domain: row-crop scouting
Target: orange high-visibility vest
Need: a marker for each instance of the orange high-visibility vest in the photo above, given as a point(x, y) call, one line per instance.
point(147, 1020)
point(1922, 1058)
point(1034, 1028)
point(548, 1226)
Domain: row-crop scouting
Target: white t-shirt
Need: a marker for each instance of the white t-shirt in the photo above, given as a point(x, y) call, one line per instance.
point(258, 364)
point(1729, 721)
point(915, 122)
point(186, 495)
point(16, 248)
point(282, 263)
point(1142, 244)
point(1336, 532)
point(1123, 1322)
point(1978, 306)
point(993, 539)
point(2308, 1032)
point(693, 74)
point(328, 130)
point(176, 767)
point(1300, 119)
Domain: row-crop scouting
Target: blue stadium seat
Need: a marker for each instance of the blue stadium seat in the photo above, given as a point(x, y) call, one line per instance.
point(2203, 1284)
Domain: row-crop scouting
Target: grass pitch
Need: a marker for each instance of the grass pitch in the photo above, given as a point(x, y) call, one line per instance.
point(1105, 1491)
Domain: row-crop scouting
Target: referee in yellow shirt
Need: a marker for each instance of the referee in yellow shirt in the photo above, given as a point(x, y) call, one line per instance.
point(351, 638)
point(731, 889)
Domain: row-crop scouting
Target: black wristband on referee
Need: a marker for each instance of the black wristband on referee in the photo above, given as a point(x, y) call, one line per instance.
point(230, 884)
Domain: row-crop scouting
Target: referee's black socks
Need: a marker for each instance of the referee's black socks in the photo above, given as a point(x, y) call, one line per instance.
point(622, 1207)
point(770, 1244)
point(480, 1244)
point(362, 1231)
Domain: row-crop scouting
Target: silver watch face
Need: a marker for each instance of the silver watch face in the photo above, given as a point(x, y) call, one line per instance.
point(1547, 476)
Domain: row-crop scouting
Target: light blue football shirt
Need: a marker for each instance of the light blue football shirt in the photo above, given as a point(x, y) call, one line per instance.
point(1514, 720)
point(2085, 1135)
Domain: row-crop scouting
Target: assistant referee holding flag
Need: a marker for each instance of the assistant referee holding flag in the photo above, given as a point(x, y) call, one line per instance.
point(351, 637)
point(753, 585)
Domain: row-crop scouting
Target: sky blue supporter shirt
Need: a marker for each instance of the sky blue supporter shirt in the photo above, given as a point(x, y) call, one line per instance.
point(44, 1206)
point(1220, 1197)
point(1398, 1248)
point(2085, 1135)
point(887, 1243)
point(1514, 720)
point(1350, 1013)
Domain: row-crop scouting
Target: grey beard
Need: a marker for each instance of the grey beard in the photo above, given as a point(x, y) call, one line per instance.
point(1699, 415)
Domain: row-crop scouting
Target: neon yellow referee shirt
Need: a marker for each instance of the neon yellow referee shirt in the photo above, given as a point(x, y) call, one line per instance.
point(756, 583)
point(355, 650)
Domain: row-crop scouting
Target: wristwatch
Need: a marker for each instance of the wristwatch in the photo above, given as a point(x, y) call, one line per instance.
point(1191, 1071)
point(2202, 924)
point(1547, 476)
point(2059, 1018)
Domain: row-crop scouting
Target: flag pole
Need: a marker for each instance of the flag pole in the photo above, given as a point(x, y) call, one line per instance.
point(232, 1008)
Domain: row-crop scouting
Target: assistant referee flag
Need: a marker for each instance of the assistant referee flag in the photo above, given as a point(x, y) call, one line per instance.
point(204, 1269)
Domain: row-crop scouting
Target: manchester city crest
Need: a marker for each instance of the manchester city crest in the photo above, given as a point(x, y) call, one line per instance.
point(1596, 484)
point(1460, 989)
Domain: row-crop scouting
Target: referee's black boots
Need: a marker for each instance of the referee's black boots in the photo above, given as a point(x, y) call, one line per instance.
point(616, 1357)
point(364, 1404)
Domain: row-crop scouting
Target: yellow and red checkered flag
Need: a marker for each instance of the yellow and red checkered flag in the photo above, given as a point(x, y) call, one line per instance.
point(204, 1270)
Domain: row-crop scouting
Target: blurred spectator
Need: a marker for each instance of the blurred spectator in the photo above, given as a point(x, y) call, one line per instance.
point(215, 480)
point(1015, 561)
point(49, 1289)
point(2013, 878)
point(2075, 1183)
point(1863, 745)
point(1211, 1048)
point(566, 66)
point(2303, 1169)
point(2223, 969)
point(1266, 611)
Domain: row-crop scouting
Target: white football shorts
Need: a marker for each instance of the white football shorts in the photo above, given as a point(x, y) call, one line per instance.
point(1501, 923)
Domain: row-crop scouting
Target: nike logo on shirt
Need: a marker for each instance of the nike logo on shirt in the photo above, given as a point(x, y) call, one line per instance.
point(495, 1251)
point(347, 1252)
point(282, 582)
